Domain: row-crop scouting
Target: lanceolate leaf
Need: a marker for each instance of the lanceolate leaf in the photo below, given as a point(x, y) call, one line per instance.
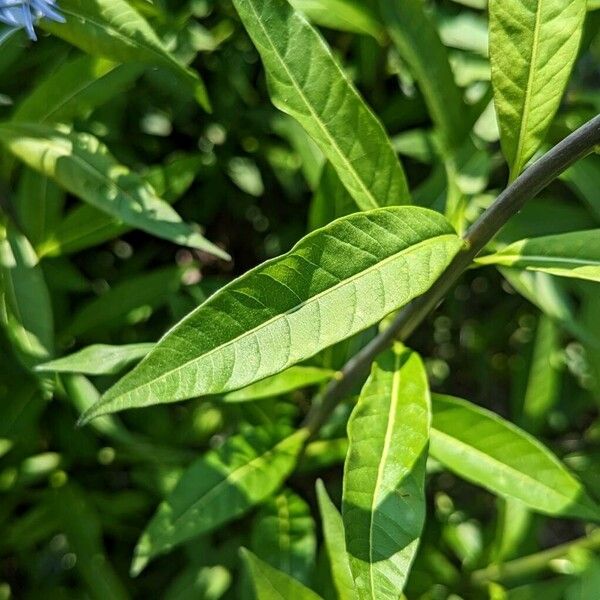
point(83, 166)
point(221, 486)
point(533, 45)
point(335, 543)
point(115, 30)
point(575, 254)
point(271, 584)
point(384, 475)
point(284, 535)
point(489, 451)
point(335, 282)
point(99, 359)
point(307, 83)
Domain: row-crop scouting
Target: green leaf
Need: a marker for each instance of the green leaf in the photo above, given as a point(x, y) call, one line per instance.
point(83, 165)
point(98, 359)
point(86, 226)
point(115, 30)
point(419, 44)
point(335, 543)
point(221, 486)
point(335, 282)
point(285, 382)
point(307, 83)
point(204, 583)
point(283, 535)
point(355, 16)
point(75, 89)
point(533, 45)
point(384, 475)
point(271, 584)
point(25, 306)
point(575, 254)
point(483, 448)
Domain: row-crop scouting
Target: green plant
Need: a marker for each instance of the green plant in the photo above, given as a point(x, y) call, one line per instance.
point(282, 386)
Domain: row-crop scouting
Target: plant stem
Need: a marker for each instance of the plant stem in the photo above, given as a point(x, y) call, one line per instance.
point(534, 563)
point(574, 147)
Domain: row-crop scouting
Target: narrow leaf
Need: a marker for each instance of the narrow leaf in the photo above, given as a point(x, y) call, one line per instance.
point(219, 487)
point(489, 451)
point(307, 83)
point(335, 543)
point(83, 165)
point(575, 254)
point(384, 475)
point(533, 45)
point(335, 282)
point(99, 359)
point(115, 30)
point(271, 584)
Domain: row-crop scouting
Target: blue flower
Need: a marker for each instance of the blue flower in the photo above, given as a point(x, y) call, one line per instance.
point(23, 13)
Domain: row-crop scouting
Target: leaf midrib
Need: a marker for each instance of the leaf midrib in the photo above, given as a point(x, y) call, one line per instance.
point(292, 310)
point(315, 116)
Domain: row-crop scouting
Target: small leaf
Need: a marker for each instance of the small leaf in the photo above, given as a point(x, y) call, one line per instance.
point(285, 382)
point(533, 46)
point(575, 254)
point(384, 475)
point(335, 282)
point(283, 535)
point(487, 450)
point(306, 82)
point(115, 30)
point(83, 165)
point(221, 486)
point(200, 583)
point(98, 359)
point(271, 584)
point(335, 543)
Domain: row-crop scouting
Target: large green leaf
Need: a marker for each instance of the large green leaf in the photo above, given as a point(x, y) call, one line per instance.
point(335, 543)
point(575, 254)
point(417, 39)
point(99, 359)
point(335, 282)
point(283, 535)
point(83, 165)
point(74, 89)
point(384, 475)
point(25, 306)
point(533, 45)
point(271, 584)
point(307, 83)
point(489, 451)
point(221, 486)
point(115, 30)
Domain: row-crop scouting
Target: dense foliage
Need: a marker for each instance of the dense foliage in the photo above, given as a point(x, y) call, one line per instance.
point(224, 221)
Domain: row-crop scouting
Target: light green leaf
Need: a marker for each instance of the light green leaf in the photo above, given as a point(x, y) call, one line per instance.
point(335, 543)
point(74, 89)
point(25, 306)
point(419, 44)
point(487, 450)
point(335, 282)
point(115, 30)
point(98, 359)
point(533, 45)
point(86, 226)
point(83, 165)
point(221, 486)
point(575, 254)
point(285, 382)
point(283, 535)
point(355, 16)
point(271, 584)
point(307, 83)
point(384, 475)
point(200, 583)
point(584, 178)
